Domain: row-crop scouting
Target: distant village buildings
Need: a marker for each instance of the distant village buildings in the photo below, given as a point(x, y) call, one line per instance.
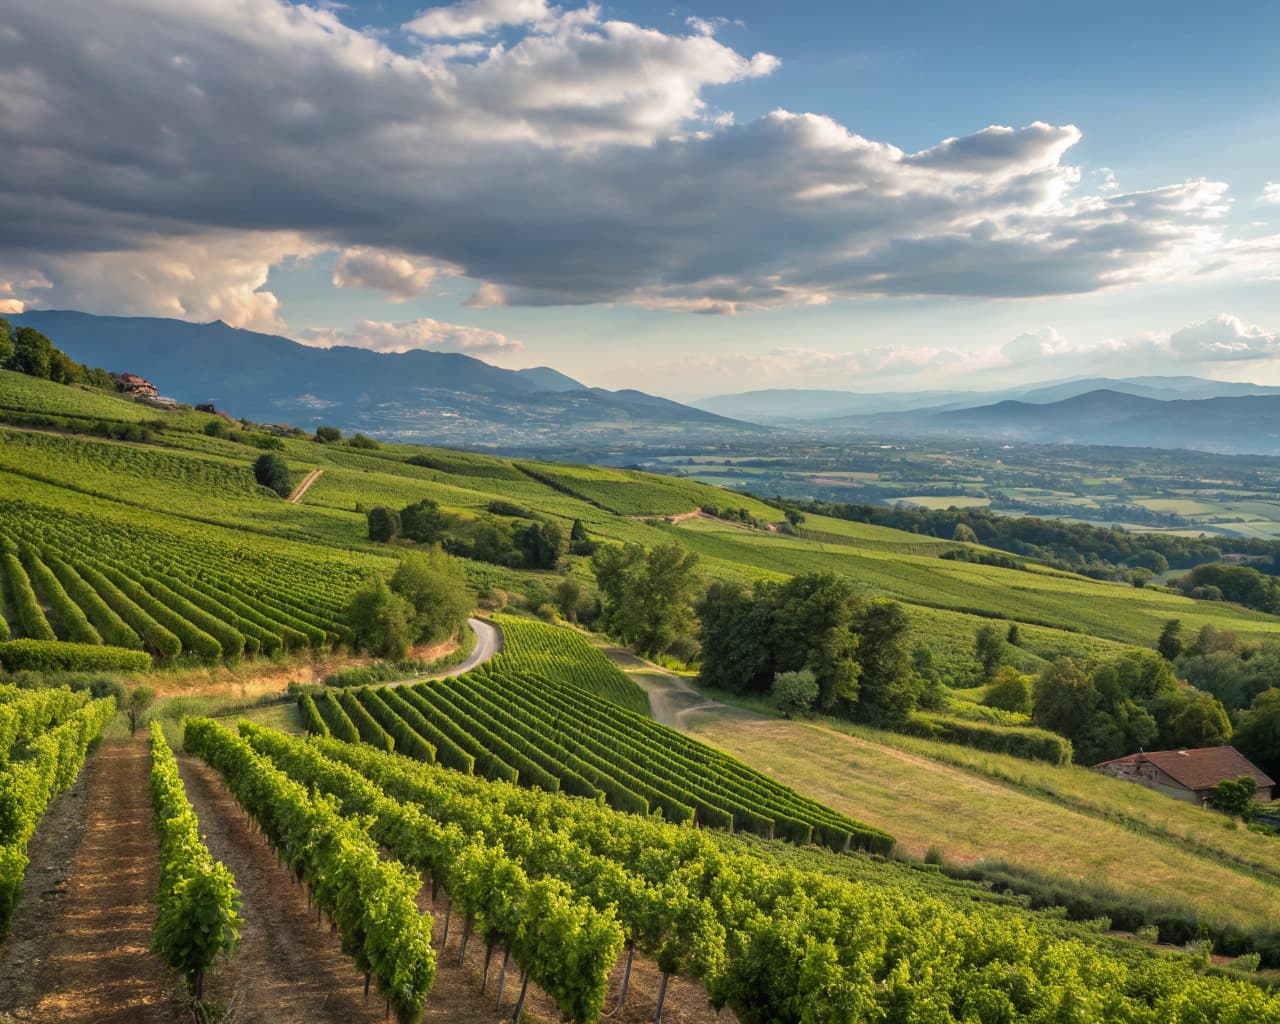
point(138, 387)
point(1189, 775)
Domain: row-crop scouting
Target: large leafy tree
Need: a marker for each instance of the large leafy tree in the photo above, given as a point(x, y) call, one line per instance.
point(435, 589)
point(648, 594)
point(888, 686)
point(1257, 733)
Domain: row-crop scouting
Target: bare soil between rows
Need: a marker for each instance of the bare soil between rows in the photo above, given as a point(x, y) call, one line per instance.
point(79, 949)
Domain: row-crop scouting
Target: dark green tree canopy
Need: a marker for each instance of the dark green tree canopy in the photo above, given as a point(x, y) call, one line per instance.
point(648, 594)
point(270, 470)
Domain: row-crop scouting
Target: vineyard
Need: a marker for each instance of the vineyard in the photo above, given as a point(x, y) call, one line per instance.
point(567, 887)
point(73, 603)
point(506, 721)
point(44, 735)
point(535, 648)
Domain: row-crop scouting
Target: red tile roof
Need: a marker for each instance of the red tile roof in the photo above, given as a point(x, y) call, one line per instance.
point(1202, 768)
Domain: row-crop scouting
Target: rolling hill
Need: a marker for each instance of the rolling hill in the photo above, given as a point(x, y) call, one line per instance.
point(415, 396)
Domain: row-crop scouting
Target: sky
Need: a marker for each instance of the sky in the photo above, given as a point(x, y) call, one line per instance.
point(691, 200)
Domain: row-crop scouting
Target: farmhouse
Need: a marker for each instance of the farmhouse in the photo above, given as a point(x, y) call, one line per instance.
point(140, 387)
point(1188, 775)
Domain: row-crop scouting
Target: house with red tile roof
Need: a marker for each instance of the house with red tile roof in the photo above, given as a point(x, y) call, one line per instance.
point(1188, 775)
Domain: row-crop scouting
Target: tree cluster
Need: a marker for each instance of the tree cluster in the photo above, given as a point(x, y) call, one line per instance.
point(1077, 547)
point(648, 597)
point(26, 350)
point(521, 544)
point(856, 651)
point(426, 601)
point(1240, 584)
point(270, 470)
point(1132, 702)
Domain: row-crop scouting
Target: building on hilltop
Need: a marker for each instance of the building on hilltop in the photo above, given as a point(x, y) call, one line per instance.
point(1188, 775)
point(139, 387)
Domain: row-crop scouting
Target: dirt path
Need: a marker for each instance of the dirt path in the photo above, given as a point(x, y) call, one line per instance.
point(305, 486)
point(79, 951)
point(672, 698)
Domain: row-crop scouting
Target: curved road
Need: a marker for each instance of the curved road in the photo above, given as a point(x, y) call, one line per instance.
point(488, 643)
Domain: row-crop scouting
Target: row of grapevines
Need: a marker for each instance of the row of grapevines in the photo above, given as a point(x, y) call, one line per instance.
point(23, 600)
point(781, 943)
point(536, 648)
point(26, 714)
point(562, 942)
point(52, 761)
point(199, 906)
point(556, 735)
point(370, 900)
point(71, 624)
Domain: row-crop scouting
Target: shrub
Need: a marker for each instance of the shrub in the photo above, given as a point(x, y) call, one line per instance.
point(328, 435)
point(1149, 933)
point(1009, 691)
point(272, 471)
point(1029, 744)
point(52, 656)
point(361, 441)
point(793, 693)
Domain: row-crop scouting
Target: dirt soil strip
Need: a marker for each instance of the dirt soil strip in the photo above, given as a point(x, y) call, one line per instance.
point(290, 970)
point(79, 949)
point(305, 486)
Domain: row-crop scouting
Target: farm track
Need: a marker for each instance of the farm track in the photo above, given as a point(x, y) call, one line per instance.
point(305, 486)
point(79, 951)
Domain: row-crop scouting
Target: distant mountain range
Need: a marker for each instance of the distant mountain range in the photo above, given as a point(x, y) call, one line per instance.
point(1243, 424)
point(419, 396)
point(798, 406)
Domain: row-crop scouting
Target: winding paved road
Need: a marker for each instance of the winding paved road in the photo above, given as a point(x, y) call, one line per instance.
point(488, 643)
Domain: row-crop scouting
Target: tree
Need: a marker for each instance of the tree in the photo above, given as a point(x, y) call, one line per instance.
point(794, 692)
point(990, 648)
point(1257, 734)
point(1013, 637)
point(888, 687)
point(964, 534)
point(1170, 643)
point(217, 427)
point(270, 470)
point(794, 516)
point(648, 594)
point(733, 633)
point(435, 588)
point(361, 441)
point(1235, 797)
point(568, 598)
point(384, 524)
point(1063, 698)
point(328, 435)
point(579, 542)
point(380, 621)
point(1010, 690)
point(32, 353)
point(140, 700)
point(423, 522)
point(1202, 722)
point(541, 544)
point(6, 343)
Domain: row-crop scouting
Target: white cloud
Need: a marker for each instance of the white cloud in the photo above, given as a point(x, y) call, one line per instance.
point(475, 18)
point(410, 335)
point(1270, 193)
point(1225, 338)
point(168, 162)
point(399, 277)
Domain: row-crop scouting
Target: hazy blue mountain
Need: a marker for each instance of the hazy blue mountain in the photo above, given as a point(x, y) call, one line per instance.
point(416, 396)
point(798, 406)
point(1243, 423)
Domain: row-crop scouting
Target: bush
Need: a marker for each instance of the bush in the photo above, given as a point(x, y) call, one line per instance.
point(53, 656)
point(1009, 691)
point(793, 693)
point(328, 435)
point(272, 471)
point(1029, 744)
point(360, 441)
point(1149, 933)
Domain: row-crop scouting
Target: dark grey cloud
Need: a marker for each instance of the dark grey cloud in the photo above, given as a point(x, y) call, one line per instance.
point(162, 157)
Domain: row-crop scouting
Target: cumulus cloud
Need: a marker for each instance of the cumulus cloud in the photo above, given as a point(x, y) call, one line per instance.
point(411, 335)
point(475, 18)
point(1270, 193)
point(399, 277)
point(1225, 338)
point(550, 154)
